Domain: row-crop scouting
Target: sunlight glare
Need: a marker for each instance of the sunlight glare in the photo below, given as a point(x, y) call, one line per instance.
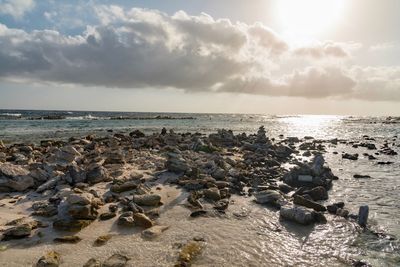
point(309, 17)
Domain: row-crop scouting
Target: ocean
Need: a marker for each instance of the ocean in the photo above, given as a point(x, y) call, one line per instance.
point(380, 191)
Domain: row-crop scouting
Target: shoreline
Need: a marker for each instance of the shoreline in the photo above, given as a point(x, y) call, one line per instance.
point(134, 180)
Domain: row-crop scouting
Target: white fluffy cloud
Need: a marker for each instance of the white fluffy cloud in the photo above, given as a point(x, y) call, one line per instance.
point(16, 8)
point(141, 48)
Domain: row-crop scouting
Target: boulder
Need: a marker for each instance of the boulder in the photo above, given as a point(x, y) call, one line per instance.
point(18, 232)
point(147, 199)
point(126, 186)
point(299, 200)
point(50, 259)
point(268, 197)
point(297, 214)
point(80, 199)
point(50, 184)
point(318, 193)
point(142, 220)
point(14, 178)
point(97, 174)
point(82, 212)
point(175, 163)
point(126, 219)
point(212, 194)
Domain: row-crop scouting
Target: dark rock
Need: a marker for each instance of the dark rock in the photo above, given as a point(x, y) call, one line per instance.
point(107, 216)
point(360, 176)
point(350, 156)
point(72, 239)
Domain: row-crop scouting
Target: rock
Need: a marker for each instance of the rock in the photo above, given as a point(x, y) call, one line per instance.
point(268, 197)
point(76, 173)
point(92, 263)
point(175, 163)
point(18, 232)
point(80, 212)
point(318, 193)
point(342, 212)
point(126, 186)
point(142, 220)
point(102, 240)
point(44, 209)
point(305, 178)
point(261, 137)
point(70, 225)
point(116, 260)
point(219, 174)
point(189, 252)
point(299, 200)
point(14, 178)
point(11, 170)
point(107, 215)
point(51, 259)
point(334, 207)
point(50, 184)
point(115, 157)
point(80, 199)
point(350, 156)
point(139, 134)
point(72, 239)
point(363, 216)
point(224, 138)
point(221, 205)
point(147, 199)
point(198, 213)
point(318, 164)
point(360, 176)
point(97, 174)
point(212, 194)
point(154, 231)
point(297, 214)
point(126, 219)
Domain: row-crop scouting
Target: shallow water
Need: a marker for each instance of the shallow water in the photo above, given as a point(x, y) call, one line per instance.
point(253, 240)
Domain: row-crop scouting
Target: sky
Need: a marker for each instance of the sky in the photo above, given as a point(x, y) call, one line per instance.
point(226, 56)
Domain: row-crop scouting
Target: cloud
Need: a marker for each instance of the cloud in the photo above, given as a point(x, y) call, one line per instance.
point(385, 46)
point(327, 49)
point(16, 8)
point(312, 82)
point(142, 48)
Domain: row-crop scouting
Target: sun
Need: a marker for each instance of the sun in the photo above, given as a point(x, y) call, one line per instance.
point(309, 17)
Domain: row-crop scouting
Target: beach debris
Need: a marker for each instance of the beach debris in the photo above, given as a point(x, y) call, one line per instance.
point(363, 215)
